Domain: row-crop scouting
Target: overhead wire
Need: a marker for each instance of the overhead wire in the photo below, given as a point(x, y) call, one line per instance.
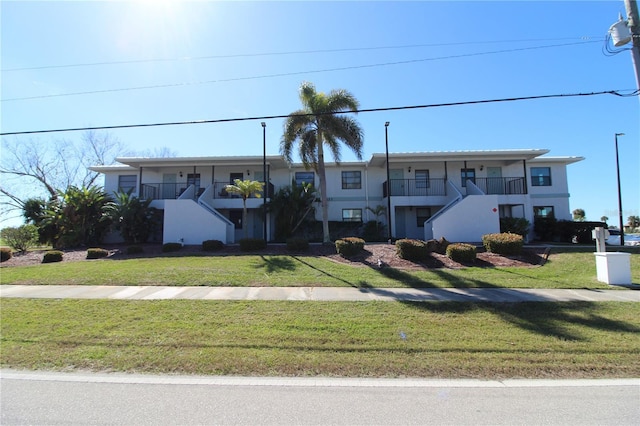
point(293, 52)
point(286, 74)
point(270, 117)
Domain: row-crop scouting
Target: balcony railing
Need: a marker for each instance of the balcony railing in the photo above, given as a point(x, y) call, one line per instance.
point(416, 187)
point(435, 187)
point(161, 191)
point(219, 191)
point(501, 185)
point(171, 191)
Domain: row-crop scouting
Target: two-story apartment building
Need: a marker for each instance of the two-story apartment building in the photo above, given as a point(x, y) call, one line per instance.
point(459, 195)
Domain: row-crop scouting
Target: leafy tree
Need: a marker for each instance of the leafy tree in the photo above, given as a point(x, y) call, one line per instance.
point(604, 219)
point(34, 212)
point(245, 188)
point(292, 205)
point(318, 124)
point(78, 217)
point(579, 215)
point(21, 238)
point(133, 217)
point(633, 221)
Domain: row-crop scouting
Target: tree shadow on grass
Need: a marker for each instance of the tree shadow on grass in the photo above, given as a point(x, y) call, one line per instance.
point(276, 263)
point(414, 281)
point(307, 264)
point(555, 319)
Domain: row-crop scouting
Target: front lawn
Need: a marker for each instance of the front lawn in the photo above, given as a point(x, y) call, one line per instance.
point(565, 269)
point(349, 339)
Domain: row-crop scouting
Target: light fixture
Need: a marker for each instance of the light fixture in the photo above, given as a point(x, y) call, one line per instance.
point(248, 172)
point(481, 167)
point(409, 170)
point(181, 173)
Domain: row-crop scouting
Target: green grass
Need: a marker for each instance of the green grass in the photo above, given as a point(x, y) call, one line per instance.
point(565, 269)
point(372, 339)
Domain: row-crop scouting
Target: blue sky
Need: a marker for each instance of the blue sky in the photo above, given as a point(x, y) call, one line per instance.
point(248, 59)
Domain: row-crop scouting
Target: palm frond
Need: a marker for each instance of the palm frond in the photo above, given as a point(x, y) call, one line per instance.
point(342, 100)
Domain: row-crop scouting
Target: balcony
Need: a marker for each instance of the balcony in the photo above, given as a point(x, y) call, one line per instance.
point(437, 187)
point(501, 185)
point(171, 191)
point(415, 187)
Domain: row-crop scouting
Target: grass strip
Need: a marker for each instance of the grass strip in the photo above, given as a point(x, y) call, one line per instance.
point(564, 270)
point(364, 339)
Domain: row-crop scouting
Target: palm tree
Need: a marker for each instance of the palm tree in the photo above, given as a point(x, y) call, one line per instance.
point(316, 124)
point(246, 189)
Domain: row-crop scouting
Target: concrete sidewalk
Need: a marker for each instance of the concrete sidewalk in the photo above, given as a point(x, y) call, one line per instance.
point(347, 294)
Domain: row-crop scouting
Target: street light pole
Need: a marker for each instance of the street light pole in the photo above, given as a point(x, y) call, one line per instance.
point(264, 177)
point(619, 191)
point(386, 144)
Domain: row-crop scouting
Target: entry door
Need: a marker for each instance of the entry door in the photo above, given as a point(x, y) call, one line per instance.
point(234, 176)
point(401, 228)
point(494, 180)
point(397, 182)
point(169, 191)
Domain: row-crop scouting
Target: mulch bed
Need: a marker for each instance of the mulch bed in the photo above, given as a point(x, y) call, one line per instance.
point(370, 256)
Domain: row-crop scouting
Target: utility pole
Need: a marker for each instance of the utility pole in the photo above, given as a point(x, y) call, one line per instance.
point(633, 19)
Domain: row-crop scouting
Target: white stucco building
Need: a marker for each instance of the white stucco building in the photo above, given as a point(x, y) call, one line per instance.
point(459, 195)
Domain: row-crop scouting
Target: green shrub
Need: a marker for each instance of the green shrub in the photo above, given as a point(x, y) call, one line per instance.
point(52, 256)
point(97, 253)
point(252, 244)
point(135, 250)
point(441, 245)
point(169, 247)
point(461, 252)
point(545, 227)
point(297, 244)
point(20, 239)
point(504, 243)
point(212, 245)
point(515, 225)
point(373, 231)
point(5, 254)
point(349, 246)
point(412, 249)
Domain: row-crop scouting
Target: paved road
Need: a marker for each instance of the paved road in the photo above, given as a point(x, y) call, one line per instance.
point(83, 398)
point(318, 293)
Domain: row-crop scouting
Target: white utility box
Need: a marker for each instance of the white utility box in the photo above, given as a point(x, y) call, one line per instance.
point(613, 268)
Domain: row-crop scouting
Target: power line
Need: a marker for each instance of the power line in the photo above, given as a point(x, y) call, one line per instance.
point(287, 74)
point(294, 52)
point(270, 117)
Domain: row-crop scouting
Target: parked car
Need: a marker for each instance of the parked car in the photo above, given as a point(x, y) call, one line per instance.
point(614, 237)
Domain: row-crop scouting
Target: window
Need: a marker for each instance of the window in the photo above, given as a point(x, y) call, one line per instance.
point(422, 214)
point(543, 211)
point(126, 183)
point(193, 179)
point(422, 178)
point(540, 176)
point(352, 215)
point(468, 174)
point(351, 180)
point(305, 177)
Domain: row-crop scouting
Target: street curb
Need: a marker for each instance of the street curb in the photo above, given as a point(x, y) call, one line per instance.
point(124, 378)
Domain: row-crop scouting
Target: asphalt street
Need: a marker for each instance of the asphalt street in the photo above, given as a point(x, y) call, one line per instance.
point(102, 398)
